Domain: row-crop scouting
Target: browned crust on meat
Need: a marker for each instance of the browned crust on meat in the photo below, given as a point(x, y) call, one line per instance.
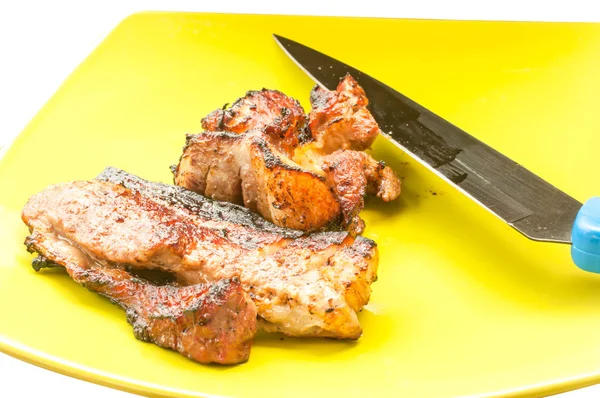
point(196, 204)
point(261, 165)
point(124, 224)
point(290, 196)
point(280, 117)
point(357, 286)
point(340, 119)
point(248, 169)
point(208, 323)
point(353, 174)
point(208, 166)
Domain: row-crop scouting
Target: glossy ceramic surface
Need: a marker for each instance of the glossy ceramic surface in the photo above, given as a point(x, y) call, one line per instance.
point(464, 304)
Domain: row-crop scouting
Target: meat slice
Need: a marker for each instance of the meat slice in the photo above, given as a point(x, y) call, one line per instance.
point(340, 119)
point(323, 193)
point(301, 285)
point(294, 182)
point(270, 111)
point(353, 174)
point(213, 322)
point(247, 170)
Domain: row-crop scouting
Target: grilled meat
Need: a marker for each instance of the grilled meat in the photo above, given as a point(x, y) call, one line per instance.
point(340, 119)
point(353, 174)
point(301, 285)
point(272, 112)
point(246, 169)
point(307, 185)
point(292, 183)
point(213, 322)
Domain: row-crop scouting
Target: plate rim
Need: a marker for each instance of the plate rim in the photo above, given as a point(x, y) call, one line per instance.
point(68, 368)
point(56, 364)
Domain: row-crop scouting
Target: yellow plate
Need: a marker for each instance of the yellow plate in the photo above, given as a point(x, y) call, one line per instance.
point(464, 305)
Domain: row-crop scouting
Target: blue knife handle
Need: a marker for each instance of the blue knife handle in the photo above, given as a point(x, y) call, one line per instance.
point(585, 237)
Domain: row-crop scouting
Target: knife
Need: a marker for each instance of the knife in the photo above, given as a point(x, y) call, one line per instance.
point(526, 202)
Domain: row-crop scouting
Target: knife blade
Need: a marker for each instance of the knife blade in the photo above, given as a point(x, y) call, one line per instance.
point(529, 204)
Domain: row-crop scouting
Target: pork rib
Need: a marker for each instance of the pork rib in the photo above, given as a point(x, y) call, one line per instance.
point(301, 285)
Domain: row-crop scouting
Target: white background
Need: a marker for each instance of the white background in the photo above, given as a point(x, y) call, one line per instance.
point(41, 42)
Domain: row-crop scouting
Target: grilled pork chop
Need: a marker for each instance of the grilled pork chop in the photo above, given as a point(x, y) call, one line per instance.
point(306, 185)
point(301, 285)
point(213, 322)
